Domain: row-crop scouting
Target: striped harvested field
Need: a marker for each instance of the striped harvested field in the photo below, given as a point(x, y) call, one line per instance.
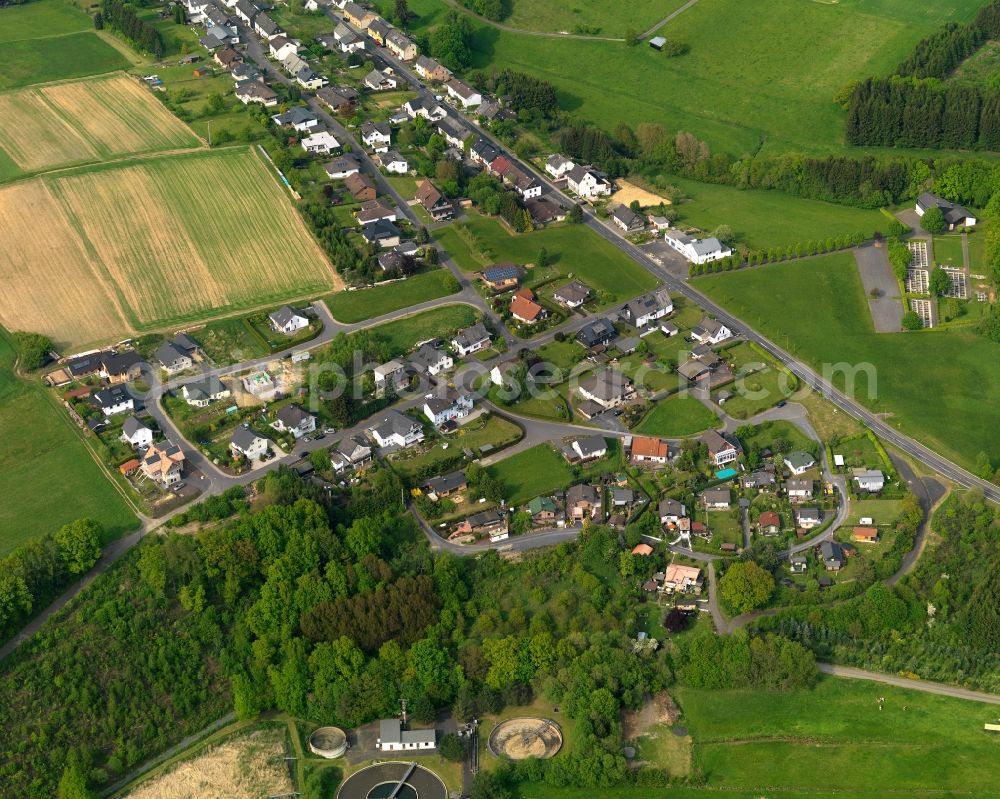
point(150, 244)
point(73, 122)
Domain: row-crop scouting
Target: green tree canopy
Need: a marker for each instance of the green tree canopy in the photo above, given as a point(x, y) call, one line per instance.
point(746, 586)
point(79, 545)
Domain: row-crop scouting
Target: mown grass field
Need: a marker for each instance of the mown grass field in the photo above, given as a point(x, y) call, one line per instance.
point(184, 254)
point(536, 471)
point(769, 218)
point(47, 476)
point(575, 250)
point(599, 18)
point(39, 60)
point(678, 415)
point(441, 322)
point(826, 743)
point(59, 124)
point(357, 306)
point(943, 386)
point(41, 19)
point(770, 86)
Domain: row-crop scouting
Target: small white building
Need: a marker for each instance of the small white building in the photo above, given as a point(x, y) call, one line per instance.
point(587, 182)
point(451, 407)
point(698, 251)
point(249, 444)
point(710, 332)
point(871, 480)
point(393, 738)
point(558, 165)
point(471, 339)
point(394, 429)
point(287, 320)
point(376, 136)
point(136, 433)
point(322, 143)
point(464, 93)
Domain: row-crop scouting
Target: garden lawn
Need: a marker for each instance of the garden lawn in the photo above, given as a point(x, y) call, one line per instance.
point(757, 392)
point(74, 55)
point(474, 435)
point(881, 511)
point(356, 306)
point(404, 333)
point(765, 434)
point(575, 250)
point(679, 415)
point(536, 471)
point(588, 16)
point(948, 251)
point(763, 219)
point(942, 387)
point(47, 475)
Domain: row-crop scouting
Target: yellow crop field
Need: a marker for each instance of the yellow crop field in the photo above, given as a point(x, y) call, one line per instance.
point(102, 253)
point(73, 122)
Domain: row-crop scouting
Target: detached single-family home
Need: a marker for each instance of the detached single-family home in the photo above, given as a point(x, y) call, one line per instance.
point(135, 433)
point(799, 490)
point(431, 360)
point(201, 393)
point(400, 46)
point(699, 251)
point(376, 136)
point(769, 523)
point(693, 371)
point(587, 182)
point(544, 510)
point(394, 429)
point(482, 151)
point(798, 564)
point(648, 449)
point(596, 333)
point(321, 142)
point(489, 522)
point(954, 214)
point(572, 295)
point(348, 40)
point(177, 354)
point(379, 81)
point(433, 201)
point(287, 320)
point(351, 453)
point(429, 69)
point(317, 5)
point(228, 58)
point(427, 109)
point(360, 186)
point(471, 339)
point(295, 420)
point(245, 442)
point(799, 462)
point(832, 554)
point(871, 480)
point(246, 72)
point(626, 219)
point(760, 480)
point(339, 99)
point(589, 448)
point(121, 366)
point(281, 47)
point(525, 184)
point(393, 163)
point(682, 579)
point(671, 511)
point(583, 500)
point(558, 165)
point(454, 132)
point(711, 332)
point(390, 375)
point(642, 550)
point(502, 277)
point(374, 210)
point(647, 309)
point(445, 485)
point(250, 91)
point(720, 450)
point(450, 407)
point(524, 308)
point(342, 167)
point(163, 463)
point(808, 518)
point(717, 498)
point(381, 232)
point(464, 93)
point(608, 388)
point(114, 400)
point(266, 27)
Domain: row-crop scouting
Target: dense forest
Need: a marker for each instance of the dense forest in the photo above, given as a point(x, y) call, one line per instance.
point(121, 17)
point(332, 609)
point(941, 622)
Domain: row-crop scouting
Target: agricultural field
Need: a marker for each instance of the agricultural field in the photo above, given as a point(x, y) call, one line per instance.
point(185, 256)
point(771, 88)
point(830, 742)
point(47, 475)
point(825, 320)
point(679, 415)
point(59, 124)
point(588, 16)
point(357, 306)
point(764, 219)
point(573, 249)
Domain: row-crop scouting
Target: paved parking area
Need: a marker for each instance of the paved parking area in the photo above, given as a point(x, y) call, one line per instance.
point(876, 275)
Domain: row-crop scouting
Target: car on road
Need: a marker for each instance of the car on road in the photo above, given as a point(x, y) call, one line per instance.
point(781, 404)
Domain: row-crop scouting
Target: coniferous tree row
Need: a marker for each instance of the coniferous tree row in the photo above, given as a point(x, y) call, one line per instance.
point(939, 54)
point(123, 18)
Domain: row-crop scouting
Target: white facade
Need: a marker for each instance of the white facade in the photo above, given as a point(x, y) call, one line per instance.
point(697, 251)
point(321, 142)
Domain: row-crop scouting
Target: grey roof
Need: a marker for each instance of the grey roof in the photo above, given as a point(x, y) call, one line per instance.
point(759, 478)
point(810, 513)
point(471, 336)
point(799, 485)
point(243, 437)
point(591, 445)
point(708, 326)
point(168, 352)
point(492, 516)
point(582, 492)
point(596, 332)
point(132, 425)
point(717, 496)
point(205, 387)
point(295, 116)
point(292, 415)
point(381, 128)
point(341, 164)
point(628, 344)
point(626, 215)
point(556, 161)
point(393, 422)
point(671, 507)
point(248, 8)
point(245, 72)
point(375, 78)
point(715, 442)
point(185, 342)
point(622, 496)
point(284, 315)
point(607, 385)
point(265, 23)
point(708, 246)
point(831, 550)
point(573, 292)
point(646, 304)
point(445, 483)
point(484, 149)
point(428, 356)
point(354, 449)
point(379, 229)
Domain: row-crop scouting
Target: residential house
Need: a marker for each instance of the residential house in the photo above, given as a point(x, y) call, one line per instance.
point(393, 429)
point(491, 110)
point(228, 58)
point(250, 91)
point(351, 453)
point(596, 333)
point(524, 308)
point(697, 250)
point(433, 201)
point(376, 136)
point(499, 166)
point(717, 498)
point(381, 232)
point(642, 550)
point(500, 374)
point(464, 93)
point(245, 10)
point(358, 15)
point(393, 163)
point(379, 81)
point(711, 332)
point(525, 184)
point(201, 393)
point(294, 419)
point(348, 40)
point(450, 407)
point(431, 360)
point(628, 345)
point(135, 433)
point(682, 579)
point(584, 500)
point(114, 400)
point(338, 100)
point(622, 498)
point(871, 480)
point(589, 448)
point(309, 79)
point(373, 210)
point(317, 5)
point(647, 309)
point(720, 450)
point(832, 554)
point(558, 166)
point(769, 523)
point(808, 518)
point(83, 365)
point(799, 490)
point(671, 511)
point(281, 47)
point(799, 462)
point(954, 214)
point(175, 356)
point(761, 480)
point(544, 211)
point(799, 564)
point(489, 522)
point(693, 371)
point(502, 277)
point(393, 261)
point(482, 151)
point(391, 375)
point(544, 510)
point(471, 339)
point(342, 167)
point(322, 143)
point(266, 27)
point(400, 46)
point(121, 366)
point(865, 535)
point(248, 444)
point(163, 463)
point(648, 449)
point(445, 485)
point(427, 109)
point(608, 388)
point(377, 29)
point(246, 72)
point(287, 320)
point(429, 69)
point(361, 187)
point(626, 219)
point(454, 132)
point(587, 182)
point(572, 295)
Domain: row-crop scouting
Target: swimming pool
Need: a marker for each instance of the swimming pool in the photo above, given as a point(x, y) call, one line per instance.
point(725, 474)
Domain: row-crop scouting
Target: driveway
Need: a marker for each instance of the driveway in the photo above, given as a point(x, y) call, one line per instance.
point(876, 275)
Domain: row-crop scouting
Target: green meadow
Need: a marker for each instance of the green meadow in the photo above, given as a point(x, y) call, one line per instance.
point(357, 306)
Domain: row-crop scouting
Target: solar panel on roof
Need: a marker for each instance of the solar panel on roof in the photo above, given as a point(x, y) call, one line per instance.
point(501, 273)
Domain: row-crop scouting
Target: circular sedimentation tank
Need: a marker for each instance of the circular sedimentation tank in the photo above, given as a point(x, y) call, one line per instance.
point(329, 742)
point(524, 737)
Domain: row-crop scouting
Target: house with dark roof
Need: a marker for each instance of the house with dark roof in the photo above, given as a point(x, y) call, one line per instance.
point(445, 485)
point(287, 320)
point(799, 490)
point(720, 450)
point(136, 433)
point(361, 187)
point(558, 165)
point(572, 295)
point(609, 388)
point(298, 118)
point(832, 554)
point(201, 393)
point(584, 500)
point(294, 419)
point(454, 132)
point(373, 210)
point(626, 219)
point(250, 91)
point(336, 99)
point(808, 518)
point(647, 309)
point(400, 45)
point(954, 214)
point(448, 407)
point(342, 167)
point(266, 27)
point(501, 277)
point(173, 358)
point(543, 211)
point(393, 429)
point(121, 366)
point(351, 453)
point(589, 448)
point(596, 332)
point(716, 498)
point(710, 331)
point(381, 232)
point(431, 360)
point(377, 136)
point(379, 81)
point(249, 444)
point(433, 201)
point(489, 522)
point(471, 339)
point(429, 69)
point(482, 151)
point(587, 182)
